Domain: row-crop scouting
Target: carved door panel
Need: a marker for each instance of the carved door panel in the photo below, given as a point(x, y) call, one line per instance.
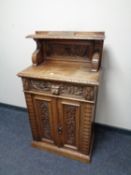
point(68, 126)
point(45, 109)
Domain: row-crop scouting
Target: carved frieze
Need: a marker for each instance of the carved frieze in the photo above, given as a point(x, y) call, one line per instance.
point(60, 88)
point(69, 50)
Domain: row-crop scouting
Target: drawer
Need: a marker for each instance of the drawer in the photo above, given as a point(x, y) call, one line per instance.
point(86, 92)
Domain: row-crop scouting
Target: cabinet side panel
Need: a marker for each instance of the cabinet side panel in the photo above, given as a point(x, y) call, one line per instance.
point(32, 117)
point(86, 127)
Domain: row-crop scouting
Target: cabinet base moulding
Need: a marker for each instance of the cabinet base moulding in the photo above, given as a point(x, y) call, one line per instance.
point(61, 151)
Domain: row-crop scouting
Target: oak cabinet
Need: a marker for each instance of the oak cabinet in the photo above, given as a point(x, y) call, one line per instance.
point(61, 91)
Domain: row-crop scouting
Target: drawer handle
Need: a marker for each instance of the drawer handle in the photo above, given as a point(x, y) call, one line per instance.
point(55, 90)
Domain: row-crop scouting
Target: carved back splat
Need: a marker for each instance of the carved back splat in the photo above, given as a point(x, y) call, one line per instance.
point(69, 46)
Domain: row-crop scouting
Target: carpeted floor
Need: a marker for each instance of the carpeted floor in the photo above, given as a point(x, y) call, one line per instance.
point(111, 155)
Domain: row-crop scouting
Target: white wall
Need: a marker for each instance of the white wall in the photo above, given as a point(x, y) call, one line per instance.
point(21, 17)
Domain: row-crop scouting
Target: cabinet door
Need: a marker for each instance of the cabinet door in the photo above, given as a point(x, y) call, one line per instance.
point(68, 125)
point(45, 115)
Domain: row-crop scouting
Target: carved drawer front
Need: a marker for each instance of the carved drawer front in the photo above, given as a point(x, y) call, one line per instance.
point(86, 92)
point(45, 111)
point(69, 115)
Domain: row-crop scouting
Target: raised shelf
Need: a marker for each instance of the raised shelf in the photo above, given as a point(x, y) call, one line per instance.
point(67, 35)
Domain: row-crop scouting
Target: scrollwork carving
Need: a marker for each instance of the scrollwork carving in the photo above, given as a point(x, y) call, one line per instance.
point(60, 88)
point(95, 61)
point(40, 85)
point(44, 115)
point(70, 123)
point(69, 50)
point(37, 54)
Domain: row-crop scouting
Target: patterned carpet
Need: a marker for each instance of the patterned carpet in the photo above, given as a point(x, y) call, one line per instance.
point(111, 155)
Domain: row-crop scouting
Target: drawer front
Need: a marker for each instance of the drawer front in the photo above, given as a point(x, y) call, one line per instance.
point(86, 92)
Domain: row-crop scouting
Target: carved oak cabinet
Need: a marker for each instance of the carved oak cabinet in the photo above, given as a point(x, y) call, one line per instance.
point(60, 89)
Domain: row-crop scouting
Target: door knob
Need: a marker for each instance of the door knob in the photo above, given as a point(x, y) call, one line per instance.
point(59, 130)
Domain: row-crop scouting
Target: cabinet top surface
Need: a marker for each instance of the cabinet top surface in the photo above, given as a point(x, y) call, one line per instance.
point(67, 35)
point(66, 72)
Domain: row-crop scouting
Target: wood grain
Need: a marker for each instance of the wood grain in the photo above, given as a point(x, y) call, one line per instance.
point(64, 72)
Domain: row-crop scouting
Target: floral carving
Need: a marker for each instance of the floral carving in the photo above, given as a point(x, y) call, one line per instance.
point(85, 92)
point(44, 115)
point(68, 50)
point(70, 123)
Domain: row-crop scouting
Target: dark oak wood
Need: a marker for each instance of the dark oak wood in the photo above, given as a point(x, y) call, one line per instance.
point(61, 88)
